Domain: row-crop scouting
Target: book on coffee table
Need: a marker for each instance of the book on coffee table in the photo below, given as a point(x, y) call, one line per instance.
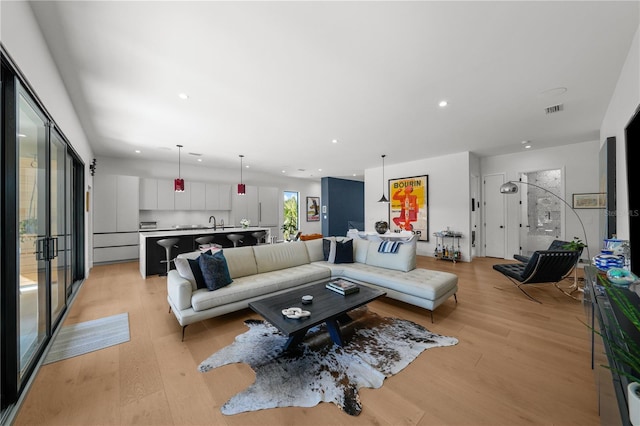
point(343, 286)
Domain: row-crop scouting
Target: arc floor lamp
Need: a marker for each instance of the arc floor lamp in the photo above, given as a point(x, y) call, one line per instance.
point(511, 187)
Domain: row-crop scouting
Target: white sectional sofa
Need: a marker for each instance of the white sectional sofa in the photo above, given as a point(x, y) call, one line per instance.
point(265, 270)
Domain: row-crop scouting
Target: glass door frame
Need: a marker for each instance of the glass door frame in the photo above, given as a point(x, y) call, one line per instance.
point(12, 81)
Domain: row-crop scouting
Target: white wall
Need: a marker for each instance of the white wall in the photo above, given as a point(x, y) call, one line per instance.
point(579, 164)
point(24, 42)
point(168, 170)
point(448, 199)
point(624, 102)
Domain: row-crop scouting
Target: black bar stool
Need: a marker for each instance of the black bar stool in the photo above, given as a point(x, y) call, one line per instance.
point(168, 244)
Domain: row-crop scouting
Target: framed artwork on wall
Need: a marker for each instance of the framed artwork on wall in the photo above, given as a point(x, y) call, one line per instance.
point(313, 209)
point(409, 205)
point(589, 201)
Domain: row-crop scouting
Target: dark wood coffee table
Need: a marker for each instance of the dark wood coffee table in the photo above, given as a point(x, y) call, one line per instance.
point(328, 307)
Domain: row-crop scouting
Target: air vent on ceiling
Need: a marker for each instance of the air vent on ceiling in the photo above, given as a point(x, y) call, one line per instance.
point(196, 154)
point(554, 108)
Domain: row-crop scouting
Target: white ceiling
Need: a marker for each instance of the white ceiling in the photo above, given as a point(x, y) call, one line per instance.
point(278, 81)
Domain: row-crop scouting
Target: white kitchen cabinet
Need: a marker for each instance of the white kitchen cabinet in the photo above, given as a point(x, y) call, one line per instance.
point(268, 206)
point(259, 205)
point(165, 194)
point(217, 197)
point(116, 203)
point(253, 208)
point(104, 203)
point(182, 200)
point(197, 196)
point(224, 197)
point(116, 211)
point(127, 203)
point(148, 194)
point(245, 206)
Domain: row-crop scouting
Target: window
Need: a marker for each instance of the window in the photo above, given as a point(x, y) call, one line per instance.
point(290, 214)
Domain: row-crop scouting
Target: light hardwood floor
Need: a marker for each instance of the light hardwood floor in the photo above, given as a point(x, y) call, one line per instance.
point(517, 362)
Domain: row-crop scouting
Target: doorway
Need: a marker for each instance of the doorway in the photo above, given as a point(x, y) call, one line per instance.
point(540, 212)
point(475, 215)
point(494, 223)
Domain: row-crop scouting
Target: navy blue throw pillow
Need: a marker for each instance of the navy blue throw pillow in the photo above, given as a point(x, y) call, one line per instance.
point(344, 251)
point(215, 270)
point(194, 264)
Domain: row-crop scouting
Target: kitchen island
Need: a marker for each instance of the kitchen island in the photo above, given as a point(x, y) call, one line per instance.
point(152, 255)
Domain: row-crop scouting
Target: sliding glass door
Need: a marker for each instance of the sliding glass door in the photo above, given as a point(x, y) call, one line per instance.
point(58, 221)
point(32, 228)
point(42, 237)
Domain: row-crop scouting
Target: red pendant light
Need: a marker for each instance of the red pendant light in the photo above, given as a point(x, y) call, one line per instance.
point(241, 186)
point(178, 184)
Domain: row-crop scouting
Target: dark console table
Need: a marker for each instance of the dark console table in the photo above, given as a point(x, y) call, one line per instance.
point(605, 317)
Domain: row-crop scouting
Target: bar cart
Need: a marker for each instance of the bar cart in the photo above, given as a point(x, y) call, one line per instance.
point(448, 245)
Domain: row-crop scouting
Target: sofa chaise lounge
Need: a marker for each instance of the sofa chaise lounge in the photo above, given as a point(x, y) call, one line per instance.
point(265, 270)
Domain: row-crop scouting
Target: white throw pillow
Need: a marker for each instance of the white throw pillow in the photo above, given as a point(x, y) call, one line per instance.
point(184, 270)
point(329, 249)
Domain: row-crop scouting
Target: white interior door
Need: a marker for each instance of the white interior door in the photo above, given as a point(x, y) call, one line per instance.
point(475, 215)
point(494, 223)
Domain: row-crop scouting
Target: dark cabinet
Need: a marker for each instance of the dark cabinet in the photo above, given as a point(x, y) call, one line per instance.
point(603, 319)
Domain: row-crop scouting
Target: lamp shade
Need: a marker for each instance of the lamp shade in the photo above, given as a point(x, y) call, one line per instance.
point(178, 184)
point(383, 199)
point(241, 187)
point(508, 188)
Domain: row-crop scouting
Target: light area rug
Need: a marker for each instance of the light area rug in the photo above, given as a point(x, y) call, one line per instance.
point(319, 371)
point(84, 337)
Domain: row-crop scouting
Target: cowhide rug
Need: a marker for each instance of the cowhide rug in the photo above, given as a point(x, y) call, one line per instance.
point(318, 370)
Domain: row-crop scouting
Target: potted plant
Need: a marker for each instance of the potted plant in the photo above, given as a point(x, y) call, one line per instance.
point(575, 244)
point(625, 349)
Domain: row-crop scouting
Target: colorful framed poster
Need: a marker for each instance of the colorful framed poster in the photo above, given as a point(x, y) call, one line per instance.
point(409, 205)
point(313, 209)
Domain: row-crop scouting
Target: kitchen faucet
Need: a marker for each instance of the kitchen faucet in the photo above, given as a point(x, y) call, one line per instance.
point(214, 221)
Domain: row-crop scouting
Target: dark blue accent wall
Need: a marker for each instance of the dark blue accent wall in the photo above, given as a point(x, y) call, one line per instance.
point(344, 202)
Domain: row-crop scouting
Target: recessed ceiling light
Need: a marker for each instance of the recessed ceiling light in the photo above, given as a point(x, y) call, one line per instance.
point(319, 170)
point(137, 151)
point(246, 167)
point(524, 142)
point(443, 104)
point(183, 96)
point(200, 160)
point(354, 174)
point(334, 141)
point(527, 146)
point(284, 171)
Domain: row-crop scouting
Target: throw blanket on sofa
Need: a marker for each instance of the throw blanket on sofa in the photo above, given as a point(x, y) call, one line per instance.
point(389, 247)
